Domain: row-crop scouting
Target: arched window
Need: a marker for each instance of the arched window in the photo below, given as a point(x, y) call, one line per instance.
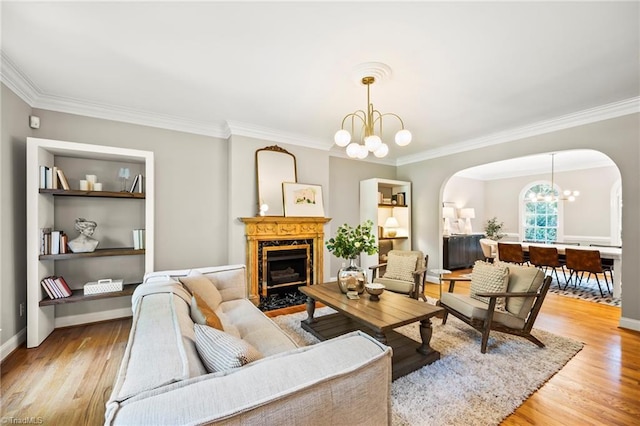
point(540, 214)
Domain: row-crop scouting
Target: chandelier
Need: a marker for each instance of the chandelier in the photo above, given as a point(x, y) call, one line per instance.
point(366, 124)
point(567, 195)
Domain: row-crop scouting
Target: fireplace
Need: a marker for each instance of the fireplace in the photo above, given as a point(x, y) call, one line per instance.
point(285, 266)
point(283, 253)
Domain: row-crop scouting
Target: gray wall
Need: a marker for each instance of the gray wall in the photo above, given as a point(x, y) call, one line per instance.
point(13, 234)
point(621, 144)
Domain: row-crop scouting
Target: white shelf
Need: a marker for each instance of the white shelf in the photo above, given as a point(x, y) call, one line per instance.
point(370, 209)
point(41, 212)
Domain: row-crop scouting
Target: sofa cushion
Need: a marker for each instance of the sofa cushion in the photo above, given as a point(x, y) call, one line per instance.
point(401, 266)
point(489, 278)
point(220, 351)
point(250, 324)
point(397, 286)
point(201, 313)
point(473, 308)
point(198, 283)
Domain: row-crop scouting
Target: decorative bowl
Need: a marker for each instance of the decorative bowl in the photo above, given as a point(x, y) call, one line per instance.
point(374, 289)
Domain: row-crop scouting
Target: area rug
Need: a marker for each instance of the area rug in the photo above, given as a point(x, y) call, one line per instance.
point(464, 386)
point(586, 290)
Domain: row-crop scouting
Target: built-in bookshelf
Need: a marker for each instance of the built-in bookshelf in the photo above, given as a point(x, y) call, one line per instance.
point(118, 211)
point(381, 199)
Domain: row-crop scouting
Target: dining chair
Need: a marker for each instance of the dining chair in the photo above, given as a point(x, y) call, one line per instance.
point(489, 249)
point(580, 261)
point(512, 253)
point(545, 258)
point(607, 264)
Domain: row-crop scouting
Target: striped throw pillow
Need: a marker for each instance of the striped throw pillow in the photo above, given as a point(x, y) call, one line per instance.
point(220, 351)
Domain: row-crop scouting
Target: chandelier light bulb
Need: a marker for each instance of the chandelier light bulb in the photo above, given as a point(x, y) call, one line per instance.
point(363, 152)
point(372, 142)
point(571, 198)
point(382, 151)
point(342, 138)
point(403, 137)
point(353, 149)
point(576, 193)
point(567, 192)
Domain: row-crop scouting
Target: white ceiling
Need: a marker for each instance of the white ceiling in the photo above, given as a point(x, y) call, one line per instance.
point(462, 72)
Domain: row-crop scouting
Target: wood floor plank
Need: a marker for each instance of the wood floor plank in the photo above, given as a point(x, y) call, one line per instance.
point(68, 379)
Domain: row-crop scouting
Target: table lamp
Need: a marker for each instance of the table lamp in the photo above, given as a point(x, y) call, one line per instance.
point(390, 226)
point(447, 213)
point(467, 214)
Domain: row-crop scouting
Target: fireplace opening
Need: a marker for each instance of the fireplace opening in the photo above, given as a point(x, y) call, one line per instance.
point(284, 268)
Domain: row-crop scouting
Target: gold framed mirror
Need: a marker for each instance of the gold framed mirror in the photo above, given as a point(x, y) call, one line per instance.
point(274, 165)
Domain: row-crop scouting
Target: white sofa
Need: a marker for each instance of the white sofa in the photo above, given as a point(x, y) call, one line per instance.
point(162, 380)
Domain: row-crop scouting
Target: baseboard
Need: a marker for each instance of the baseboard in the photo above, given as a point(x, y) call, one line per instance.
point(630, 323)
point(13, 343)
point(70, 320)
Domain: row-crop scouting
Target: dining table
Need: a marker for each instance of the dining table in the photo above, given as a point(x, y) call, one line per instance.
point(614, 253)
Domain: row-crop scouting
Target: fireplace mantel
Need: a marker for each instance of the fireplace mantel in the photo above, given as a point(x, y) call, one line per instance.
point(280, 228)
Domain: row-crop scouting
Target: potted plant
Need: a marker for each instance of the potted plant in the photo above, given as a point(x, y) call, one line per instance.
point(493, 228)
point(348, 243)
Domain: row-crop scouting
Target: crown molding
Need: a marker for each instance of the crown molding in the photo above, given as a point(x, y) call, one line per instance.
point(260, 132)
point(30, 93)
point(17, 81)
point(591, 115)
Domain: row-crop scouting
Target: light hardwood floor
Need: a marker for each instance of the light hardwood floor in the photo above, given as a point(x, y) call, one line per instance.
point(67, 379)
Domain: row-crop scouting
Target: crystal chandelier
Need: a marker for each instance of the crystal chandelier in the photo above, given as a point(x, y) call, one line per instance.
point(567, 195)
point(366, 124)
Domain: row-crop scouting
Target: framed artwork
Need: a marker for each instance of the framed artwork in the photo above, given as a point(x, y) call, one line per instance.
point(302, 199)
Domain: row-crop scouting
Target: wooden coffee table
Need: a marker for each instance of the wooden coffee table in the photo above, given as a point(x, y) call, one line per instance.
point(376, 318)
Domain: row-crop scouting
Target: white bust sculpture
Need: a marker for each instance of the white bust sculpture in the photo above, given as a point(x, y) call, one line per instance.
point(84, 243)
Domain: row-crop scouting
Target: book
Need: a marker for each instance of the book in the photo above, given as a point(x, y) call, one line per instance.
point(54, 178)
point(62, 285)
point(134, 183)
point(53, 287)
point(63, 180)
point(136, 239)
point(55, 242)
point(45, 286)
point(49, 178)
point(43, 240)
point(64, 240)
point(43, 176)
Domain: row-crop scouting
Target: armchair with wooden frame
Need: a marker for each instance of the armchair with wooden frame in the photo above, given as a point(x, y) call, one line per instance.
point(404, 272)
point(525, 293)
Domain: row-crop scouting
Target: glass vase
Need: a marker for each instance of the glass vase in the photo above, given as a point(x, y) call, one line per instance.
point(352, 278)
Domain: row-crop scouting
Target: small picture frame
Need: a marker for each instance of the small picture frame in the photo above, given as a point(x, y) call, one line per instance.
point(302, 200)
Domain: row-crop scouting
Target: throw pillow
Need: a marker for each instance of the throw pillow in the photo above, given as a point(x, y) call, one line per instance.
point(198, 283)
point(201, 313)
point(220, 351)
point(401, 267)
point(489, 278)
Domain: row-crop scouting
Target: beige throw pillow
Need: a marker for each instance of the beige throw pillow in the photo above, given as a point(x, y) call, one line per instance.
point(489, 278)
point(201, 313)
point(220, 351)
point(198, 283)
point(401, 267)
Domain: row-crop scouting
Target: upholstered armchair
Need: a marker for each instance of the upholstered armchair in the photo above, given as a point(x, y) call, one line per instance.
point(503, 297)
point(404, 272)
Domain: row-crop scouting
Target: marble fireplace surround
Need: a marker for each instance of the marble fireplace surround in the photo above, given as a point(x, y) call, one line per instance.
point(268, 231)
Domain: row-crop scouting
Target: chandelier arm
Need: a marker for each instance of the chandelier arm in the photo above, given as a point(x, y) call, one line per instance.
point(353, 115)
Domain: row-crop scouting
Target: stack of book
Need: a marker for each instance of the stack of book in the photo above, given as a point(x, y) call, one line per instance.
point(53, 242)
point(53, 178)
point(138, 184)
point(55, 287)
point(138, 239)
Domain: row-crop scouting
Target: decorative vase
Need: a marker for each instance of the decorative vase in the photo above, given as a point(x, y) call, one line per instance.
point(352, 278)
